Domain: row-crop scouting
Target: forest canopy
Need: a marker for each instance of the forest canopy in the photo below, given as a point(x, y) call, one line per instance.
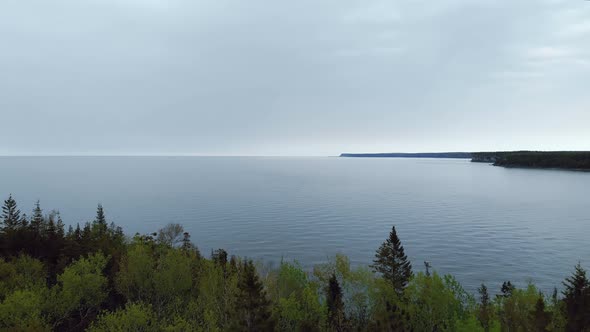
point(94, 277)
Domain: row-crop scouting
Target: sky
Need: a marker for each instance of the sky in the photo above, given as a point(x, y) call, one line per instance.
point(301, 78)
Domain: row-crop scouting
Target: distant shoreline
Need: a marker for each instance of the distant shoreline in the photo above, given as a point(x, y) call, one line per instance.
point(456, 155)
point(568, 160)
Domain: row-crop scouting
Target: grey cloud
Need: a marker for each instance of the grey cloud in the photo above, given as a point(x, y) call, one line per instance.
point(298, 77)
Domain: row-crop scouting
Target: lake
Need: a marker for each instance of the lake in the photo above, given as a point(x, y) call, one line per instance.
point(478, 222)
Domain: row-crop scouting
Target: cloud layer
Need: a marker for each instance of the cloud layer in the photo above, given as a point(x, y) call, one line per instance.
point(292, 77)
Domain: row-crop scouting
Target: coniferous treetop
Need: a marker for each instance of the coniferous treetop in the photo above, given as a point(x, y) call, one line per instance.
point(10, 213)
point(100, 217)
point(392, 263)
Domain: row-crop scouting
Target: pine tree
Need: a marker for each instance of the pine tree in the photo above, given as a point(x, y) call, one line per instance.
point(484, 314)
point(10, 215)
point(253, 311)
point(393, 264)
point(540, 318)
point(336, 317)
point(577, 300)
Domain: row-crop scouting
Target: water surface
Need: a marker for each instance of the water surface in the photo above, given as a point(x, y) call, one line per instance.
point(478, 222)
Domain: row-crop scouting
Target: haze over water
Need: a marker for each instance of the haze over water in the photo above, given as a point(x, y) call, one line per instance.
point(477, 222)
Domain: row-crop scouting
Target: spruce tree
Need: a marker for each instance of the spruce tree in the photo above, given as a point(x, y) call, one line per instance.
point(577, 300)
point(51, 229)
point(100, 223)
point(484, 314)
point(37, 221)
point(539, 318)
point(393, 264)
point(336, 317)
point(37, 232)
point(10, 215)
point(100, 218)
point(60, 227)
point(253, 310)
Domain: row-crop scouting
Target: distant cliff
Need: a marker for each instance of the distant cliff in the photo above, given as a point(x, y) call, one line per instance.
point(458, 155)
point(536, 159)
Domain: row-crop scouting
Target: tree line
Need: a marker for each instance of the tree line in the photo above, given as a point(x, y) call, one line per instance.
point(579, 160)
point(93, 277)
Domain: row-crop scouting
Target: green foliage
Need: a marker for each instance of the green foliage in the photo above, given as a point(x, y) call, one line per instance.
point(514, 308)
point(22, 272)
point(136, 275)
point(485, 310)
point(172, 281)
point(135, 317)
point(435, 303)
point(297, 306)
point(95, 278)
point(81, 289)
point(22, 310)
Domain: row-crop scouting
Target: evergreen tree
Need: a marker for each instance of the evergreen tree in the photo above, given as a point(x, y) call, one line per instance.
point(540, 319)
point(37, 221)
point(100, 217)
point(219, 257)
point(78, 233)
point(24, 221)
point(51, 229)
point(36, 232)
point(186, 241)
point(507, 289)
point(393, 264)
point(577, 300)
point(507, 307)
point(60, 227)
point(484, 314)
point(11, 235)
point(10, 215)
point(253, 311)
point(100, 223)
point(336, 317)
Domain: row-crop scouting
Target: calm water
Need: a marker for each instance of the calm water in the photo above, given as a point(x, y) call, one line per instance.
point(478, 222)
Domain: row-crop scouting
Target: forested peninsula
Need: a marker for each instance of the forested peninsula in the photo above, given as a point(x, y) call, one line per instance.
point(573, 160)
point(94, 277)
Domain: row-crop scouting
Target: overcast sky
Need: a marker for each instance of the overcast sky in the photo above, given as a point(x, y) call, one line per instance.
point(302, 77)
